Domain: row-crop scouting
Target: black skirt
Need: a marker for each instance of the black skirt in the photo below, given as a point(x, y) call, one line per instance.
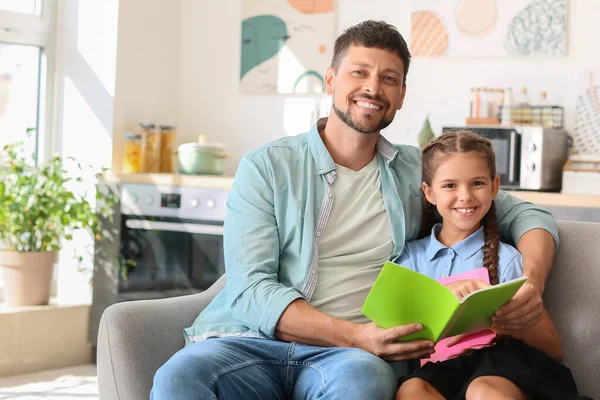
point(537, 374)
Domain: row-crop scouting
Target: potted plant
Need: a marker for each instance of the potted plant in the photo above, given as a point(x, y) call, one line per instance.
point(39, 208)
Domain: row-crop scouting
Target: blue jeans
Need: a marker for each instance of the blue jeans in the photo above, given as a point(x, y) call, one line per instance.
point(249, 368)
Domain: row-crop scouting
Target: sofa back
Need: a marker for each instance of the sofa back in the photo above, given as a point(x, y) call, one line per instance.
point(572, 299)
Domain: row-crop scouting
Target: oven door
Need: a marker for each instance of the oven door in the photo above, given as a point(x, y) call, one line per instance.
point(507, 146)
point(166, 254)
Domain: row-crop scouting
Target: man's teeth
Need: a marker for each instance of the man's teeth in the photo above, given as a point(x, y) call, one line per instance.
point(465, 210)
point(367, 105)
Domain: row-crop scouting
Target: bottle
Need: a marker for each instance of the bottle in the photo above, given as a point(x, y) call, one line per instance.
point(524, 107)
point(506, 117)
point(132, 157)
point(150, 148)
point(545, 111)
point(167, 143)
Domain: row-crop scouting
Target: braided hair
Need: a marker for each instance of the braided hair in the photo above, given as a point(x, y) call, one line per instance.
point(433, 154)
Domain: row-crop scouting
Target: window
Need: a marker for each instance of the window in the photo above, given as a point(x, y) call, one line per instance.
point(22, 6)
point(26, 68)
point(25, 61)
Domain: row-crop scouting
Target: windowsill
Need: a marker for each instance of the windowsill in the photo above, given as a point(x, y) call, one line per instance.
point(55, 303)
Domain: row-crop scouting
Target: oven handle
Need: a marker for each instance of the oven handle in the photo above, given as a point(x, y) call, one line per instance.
point(174, 226)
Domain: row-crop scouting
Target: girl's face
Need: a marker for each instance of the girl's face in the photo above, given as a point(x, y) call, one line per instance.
point(462, 189)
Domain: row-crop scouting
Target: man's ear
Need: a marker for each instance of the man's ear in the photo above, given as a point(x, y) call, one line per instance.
point(428, 193)
point(329, 80)
point(495, 186)
point(402, 94)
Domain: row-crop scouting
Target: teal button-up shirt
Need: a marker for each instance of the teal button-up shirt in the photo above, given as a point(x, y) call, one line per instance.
point(277, 211)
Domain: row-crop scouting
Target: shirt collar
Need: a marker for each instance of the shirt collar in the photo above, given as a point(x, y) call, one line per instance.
point(465, 248)
point(322, 157)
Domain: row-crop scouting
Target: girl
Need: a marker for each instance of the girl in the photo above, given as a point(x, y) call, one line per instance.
point(459, 179)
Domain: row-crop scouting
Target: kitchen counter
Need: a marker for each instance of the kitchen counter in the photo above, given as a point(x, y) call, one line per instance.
point(559, 199)
point(224, 182)
point(204, 181)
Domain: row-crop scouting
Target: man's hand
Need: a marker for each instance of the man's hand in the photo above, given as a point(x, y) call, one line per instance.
point(383, 342)
point(523, 311)
point(463, 287)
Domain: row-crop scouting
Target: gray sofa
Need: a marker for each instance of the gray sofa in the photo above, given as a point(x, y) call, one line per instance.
point(137, 337)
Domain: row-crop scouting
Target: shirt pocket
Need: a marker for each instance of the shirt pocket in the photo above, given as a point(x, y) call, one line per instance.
point(412, 216)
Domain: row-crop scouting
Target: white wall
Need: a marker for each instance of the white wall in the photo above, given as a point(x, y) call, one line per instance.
point(212, 104)
point(147, 71)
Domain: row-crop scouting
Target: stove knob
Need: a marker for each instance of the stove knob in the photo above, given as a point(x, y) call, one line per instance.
point(531, 147)
point(149, 200)
point(530, 167)
point(210, 204)
point(194, 203)
point(134, 198)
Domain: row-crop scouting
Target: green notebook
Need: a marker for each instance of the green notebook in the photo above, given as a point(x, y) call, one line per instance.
point(401, 296)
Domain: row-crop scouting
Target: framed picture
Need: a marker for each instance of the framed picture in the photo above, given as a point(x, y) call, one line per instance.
point(489, 28)
point(286, 45)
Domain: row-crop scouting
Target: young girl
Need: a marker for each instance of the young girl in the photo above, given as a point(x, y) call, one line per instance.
point(459, 179)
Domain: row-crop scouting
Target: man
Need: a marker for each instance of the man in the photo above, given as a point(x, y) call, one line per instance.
point(310, 221)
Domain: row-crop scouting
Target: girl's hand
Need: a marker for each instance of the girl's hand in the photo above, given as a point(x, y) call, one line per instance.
point(463, 287)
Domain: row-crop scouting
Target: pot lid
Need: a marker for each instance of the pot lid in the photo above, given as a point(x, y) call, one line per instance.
point(216, 147)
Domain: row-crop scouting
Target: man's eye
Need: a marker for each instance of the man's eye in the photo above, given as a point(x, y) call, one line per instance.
point(357, 72)
point(390, 79)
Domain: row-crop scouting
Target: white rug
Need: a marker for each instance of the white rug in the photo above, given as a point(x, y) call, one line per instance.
point(71, 383)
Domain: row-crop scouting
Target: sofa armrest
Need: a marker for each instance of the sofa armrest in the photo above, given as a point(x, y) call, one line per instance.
point(137, 337)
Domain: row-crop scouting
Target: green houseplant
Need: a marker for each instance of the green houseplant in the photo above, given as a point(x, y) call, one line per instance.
point(39, 208)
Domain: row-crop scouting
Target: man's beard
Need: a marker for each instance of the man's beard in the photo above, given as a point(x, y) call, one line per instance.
point(357, 126)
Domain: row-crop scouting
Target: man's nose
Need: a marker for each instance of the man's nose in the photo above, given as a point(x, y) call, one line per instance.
point(374, 85)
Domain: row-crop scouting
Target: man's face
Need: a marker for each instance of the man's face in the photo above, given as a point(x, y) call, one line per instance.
point(368, 88)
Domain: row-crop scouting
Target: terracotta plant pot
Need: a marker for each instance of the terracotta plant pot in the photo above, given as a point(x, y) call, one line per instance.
point(27, 277)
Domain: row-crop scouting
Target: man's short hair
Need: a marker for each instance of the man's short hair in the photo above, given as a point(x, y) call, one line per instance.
point(377, 34)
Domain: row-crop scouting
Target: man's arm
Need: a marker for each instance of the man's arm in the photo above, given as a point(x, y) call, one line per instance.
point(251, 250)
point(535, 232)
point(300, 322)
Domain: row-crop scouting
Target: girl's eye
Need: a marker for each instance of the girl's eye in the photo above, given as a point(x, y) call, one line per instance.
point(478, 183)
point(449, 186)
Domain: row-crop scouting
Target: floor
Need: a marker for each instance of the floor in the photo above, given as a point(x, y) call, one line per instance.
point(71, 383)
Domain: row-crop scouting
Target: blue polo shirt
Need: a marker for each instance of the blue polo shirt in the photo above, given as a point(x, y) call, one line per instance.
point(430, 257)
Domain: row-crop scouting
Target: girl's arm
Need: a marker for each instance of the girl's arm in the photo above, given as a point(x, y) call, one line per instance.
point(543, 336)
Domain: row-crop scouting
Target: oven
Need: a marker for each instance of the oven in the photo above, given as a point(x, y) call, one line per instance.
point(171, 240)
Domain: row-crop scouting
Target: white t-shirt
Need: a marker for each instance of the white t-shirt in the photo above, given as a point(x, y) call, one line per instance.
point(355, 245)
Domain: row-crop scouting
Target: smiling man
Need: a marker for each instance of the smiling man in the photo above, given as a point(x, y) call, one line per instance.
point(311, 220)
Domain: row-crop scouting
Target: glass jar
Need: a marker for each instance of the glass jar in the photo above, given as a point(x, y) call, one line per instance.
point(167, 142)
point(132, 158)
point(150, 148)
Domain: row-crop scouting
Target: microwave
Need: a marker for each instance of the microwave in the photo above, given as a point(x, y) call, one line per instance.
point(527, 157)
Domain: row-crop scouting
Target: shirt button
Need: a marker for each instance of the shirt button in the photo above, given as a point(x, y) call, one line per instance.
point(330, 195)
point(318, 234)
point(443, 276)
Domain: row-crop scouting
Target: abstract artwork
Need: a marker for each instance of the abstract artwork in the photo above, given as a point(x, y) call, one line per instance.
point(493, 28)
point(286, 45)
point(586, 139)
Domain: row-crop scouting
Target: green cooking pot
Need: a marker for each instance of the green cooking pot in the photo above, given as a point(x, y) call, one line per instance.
point(201, 159)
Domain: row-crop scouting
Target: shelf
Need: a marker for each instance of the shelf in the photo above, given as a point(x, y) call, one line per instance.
point(204, 181)
point(559, 199)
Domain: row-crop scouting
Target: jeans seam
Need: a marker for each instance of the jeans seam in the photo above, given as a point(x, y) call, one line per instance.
point(289, 371)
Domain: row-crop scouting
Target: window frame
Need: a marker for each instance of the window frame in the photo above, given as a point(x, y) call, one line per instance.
point(40, 31)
